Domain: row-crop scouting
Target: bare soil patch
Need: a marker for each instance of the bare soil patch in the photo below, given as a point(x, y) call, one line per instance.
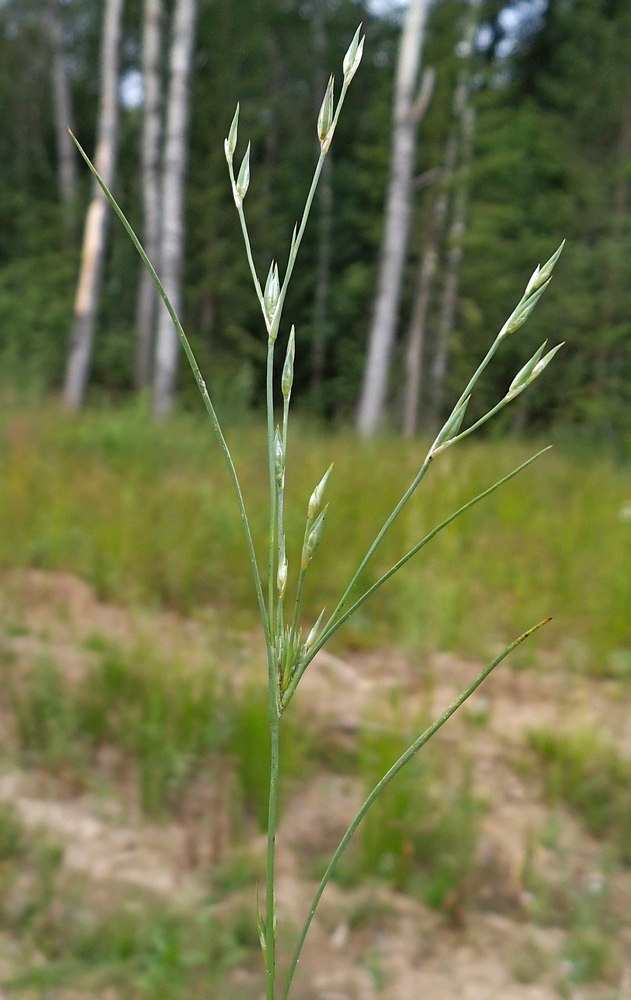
point(368, 942)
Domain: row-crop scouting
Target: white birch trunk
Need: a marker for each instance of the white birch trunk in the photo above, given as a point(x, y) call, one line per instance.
point(424, 285)
point(94, 240)
point(465, 118)
point(174, 169)
point(449, 296)
point(397, 223)
point(150, 155)
point(62, 110)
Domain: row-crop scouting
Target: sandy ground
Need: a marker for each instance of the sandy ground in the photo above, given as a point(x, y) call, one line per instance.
point(401, 950)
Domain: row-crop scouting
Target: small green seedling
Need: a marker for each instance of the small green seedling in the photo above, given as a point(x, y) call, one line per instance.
point(288, 654)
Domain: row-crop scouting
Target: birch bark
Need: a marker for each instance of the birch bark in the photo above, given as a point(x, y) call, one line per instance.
point(94, 239)
point(172, 198)
point(455, 253)
point(150, 156)
point(465, 124)
point(424, 285)
point(397, 223)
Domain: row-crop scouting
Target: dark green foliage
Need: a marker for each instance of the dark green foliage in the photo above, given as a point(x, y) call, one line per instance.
point(551, 160)
point(553, 155)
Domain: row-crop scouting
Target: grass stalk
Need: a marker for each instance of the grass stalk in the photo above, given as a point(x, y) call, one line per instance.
point(270, 901)
point(287, 656)
point(272, 486)
point(404, 759)
point(201, 384)
point(329, 630)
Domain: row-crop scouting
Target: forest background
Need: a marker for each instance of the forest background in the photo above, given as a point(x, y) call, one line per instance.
point(551, 159)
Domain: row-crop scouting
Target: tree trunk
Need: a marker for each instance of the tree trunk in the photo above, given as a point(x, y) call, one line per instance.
point(151, 136)
point(465, 123)
point(424, 284)
point(397, 223)
point(174, 169)
point(452, 269)
point(325, 192)
point(62, 110)
point(94, 239)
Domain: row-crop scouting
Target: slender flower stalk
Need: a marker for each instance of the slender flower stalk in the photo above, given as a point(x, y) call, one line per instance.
point(404, 759)
point(288, 656)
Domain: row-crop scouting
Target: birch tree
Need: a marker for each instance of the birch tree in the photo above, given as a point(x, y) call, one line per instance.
point(150, 156)
point(465, 121)
point(172, 199)
point(407, 111)
point(62, 112)
point(426, 274)
point(94, 239)
point(449, 296)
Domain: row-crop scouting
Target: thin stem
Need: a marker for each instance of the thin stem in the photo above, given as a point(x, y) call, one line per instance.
point(297, 603)
point(281, 511)
point(202, 388)
point(385, 527)
point(328, 632)
point(406, 496)
point(301, 581)
point(246, 239)
point(487, 416)
point(295, 245)
point(476, 375)
point(272, 485)
point(248, 250)
point(270, 903)
point(387, 778)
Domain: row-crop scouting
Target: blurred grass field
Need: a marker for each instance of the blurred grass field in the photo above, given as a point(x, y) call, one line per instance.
point(170, 720)
point(146, 515)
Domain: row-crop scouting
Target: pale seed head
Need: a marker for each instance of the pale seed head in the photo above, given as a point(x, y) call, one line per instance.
point(353, 56)
point(243, 180)
point(230, 144)
point(288, 367)
point(316, 497)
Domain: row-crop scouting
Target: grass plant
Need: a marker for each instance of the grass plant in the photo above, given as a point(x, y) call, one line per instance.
point(167, 724)
point(96, 495)
point(291, 640)
point(593, 778)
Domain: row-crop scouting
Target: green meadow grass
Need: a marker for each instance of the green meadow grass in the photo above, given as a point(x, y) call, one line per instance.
point(145, 514)
point(170, 724)
point(592, 777)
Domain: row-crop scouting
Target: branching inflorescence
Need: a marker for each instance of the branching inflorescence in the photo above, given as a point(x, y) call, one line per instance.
point(288, 653)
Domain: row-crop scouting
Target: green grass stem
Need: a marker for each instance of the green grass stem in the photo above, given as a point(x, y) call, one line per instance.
point(201, 384)
point(405, 757)
point(329, 631)
point(287, 660)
